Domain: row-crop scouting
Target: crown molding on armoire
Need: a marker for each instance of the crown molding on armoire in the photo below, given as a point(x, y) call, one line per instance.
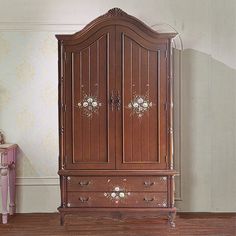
point(118, 15)
point(116, 118)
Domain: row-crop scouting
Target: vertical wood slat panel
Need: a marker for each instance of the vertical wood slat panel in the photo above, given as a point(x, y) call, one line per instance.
point(136, 132)
point(77, 113)
point(94, 88)
point(103, 80)
point(127, 96)
point(68, 100)
point(85, 57)
point(163, 99)
point(153, 112)
point(145, 119)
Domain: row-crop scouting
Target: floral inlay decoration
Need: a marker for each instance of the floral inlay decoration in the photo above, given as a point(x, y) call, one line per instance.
point(117, 194)
point(139, 105)
point(90, 105)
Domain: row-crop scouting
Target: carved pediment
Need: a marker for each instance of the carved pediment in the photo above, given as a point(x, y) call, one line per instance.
point(116, 12)
point(107, 19)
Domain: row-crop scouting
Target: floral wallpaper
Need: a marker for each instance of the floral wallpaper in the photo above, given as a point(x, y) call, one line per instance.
point(28, 99)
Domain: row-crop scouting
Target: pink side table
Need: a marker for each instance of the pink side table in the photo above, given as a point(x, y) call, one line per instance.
point(8, 178)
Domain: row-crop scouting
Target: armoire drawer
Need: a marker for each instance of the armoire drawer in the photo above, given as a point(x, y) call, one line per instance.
point(129, 183)
point(116, 199)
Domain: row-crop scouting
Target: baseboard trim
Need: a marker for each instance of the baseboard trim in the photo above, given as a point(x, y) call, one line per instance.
point(37, 181)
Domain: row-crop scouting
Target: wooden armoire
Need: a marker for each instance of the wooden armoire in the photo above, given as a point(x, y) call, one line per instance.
point(115, 118)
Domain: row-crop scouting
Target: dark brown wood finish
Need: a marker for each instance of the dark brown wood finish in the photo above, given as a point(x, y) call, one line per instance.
point(135, 199)
point(129, 224)
point(90, 73)
point(108, 183)
point(143, 68)
point(112, 159)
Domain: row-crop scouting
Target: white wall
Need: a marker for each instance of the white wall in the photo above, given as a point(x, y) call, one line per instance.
point(28, 92)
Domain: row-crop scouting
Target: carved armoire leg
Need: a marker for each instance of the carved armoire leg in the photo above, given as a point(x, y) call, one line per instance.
point(171, 219)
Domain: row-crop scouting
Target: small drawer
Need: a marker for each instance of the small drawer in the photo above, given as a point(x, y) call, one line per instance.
point(127, 183)
point(116, 199)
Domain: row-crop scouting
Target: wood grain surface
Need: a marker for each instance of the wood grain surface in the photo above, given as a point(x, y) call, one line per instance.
point(187, 224)
point(124, 66)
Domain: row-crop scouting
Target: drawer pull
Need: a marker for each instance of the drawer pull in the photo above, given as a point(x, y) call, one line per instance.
point(148, 199)
point(148, 183)
point(83, 199)
point(84, 183)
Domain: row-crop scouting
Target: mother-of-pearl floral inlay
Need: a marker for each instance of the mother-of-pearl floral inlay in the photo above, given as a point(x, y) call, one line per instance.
point(139, 105)
point(89, 105)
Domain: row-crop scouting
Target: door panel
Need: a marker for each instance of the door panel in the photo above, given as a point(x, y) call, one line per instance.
point(92, 121)
point(116, 59)
point(142, 119)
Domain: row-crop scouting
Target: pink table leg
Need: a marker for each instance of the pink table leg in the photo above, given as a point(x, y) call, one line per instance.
point(4, 183)
point(12, 188)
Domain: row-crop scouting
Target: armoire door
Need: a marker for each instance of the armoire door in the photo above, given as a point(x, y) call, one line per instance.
point(89, 118)
point(141, 129)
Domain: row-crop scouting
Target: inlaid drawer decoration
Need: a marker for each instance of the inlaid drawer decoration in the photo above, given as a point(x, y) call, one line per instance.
point(118, 194)
point(117, 199)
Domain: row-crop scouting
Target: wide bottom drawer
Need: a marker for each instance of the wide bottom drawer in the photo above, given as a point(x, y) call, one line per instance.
point(116, 199)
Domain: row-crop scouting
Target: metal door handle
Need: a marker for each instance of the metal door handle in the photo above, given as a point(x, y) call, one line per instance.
point(84, 183)
point(148, 199)
point(148, 183)
point(118, 101)
point(83, 199)
point(112, 100)
point(115, 100)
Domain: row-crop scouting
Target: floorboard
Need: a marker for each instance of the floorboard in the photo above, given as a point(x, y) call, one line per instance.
point(187, 224)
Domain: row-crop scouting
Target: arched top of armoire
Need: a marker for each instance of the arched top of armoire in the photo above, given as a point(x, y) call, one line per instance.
point(114, 17)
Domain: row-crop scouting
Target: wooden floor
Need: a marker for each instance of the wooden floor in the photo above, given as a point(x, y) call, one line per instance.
point(186, 224)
